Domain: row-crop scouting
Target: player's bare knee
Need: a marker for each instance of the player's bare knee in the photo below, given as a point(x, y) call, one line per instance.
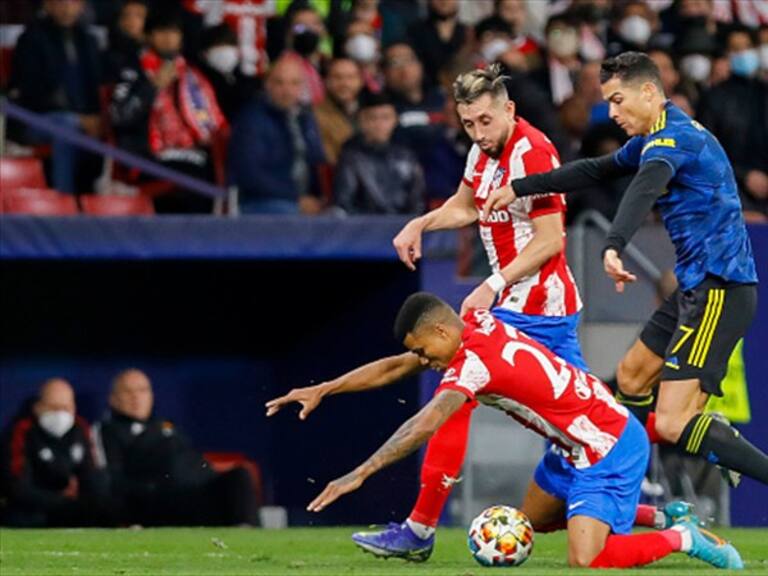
point(630, 378)
point(580, 558)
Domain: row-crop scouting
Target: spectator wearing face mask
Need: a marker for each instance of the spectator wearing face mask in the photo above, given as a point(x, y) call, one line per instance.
point(167, 110)
point(306, 30)
point(695, 48)
point(248, 20)
point(49, 467)
point(632, 29)
point(508, 21)
point(362, 45)
point(438, 37)
point(561, 64)
point(735, 112)
point(220, 63)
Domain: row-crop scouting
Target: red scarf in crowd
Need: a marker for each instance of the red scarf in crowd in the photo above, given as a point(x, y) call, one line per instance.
point(185, 114)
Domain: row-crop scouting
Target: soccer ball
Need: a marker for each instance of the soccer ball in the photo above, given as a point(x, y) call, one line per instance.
point(501, 536)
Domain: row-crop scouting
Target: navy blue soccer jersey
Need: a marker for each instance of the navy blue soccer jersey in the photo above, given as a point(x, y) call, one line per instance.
point(701, 209)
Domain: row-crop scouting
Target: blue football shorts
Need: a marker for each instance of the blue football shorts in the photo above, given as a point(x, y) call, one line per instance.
point(609, 490)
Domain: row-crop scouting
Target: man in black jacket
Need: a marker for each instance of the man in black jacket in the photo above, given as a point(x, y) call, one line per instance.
point(156, 473)
point(49, 467)
point(56, 72)
point(736, 111)
point(374, 175)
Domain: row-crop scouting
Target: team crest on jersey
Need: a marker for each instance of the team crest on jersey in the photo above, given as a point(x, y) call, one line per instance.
point(498, 176)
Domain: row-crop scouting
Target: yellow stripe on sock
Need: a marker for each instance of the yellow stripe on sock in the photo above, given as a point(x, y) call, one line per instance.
point(702, 432)
point(694, 433)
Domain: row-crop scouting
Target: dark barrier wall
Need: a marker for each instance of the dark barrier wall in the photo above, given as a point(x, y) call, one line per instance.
point(218, 339)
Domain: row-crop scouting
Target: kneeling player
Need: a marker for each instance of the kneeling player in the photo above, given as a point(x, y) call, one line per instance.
point(592, 475)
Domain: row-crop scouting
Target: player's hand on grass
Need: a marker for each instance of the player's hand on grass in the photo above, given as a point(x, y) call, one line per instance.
point(497, 200)
point(408, 243)
point(335, 490)
point(614, 267)
point(481, 297)
point(309, 398)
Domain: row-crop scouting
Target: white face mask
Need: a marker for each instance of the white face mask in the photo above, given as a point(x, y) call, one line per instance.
point(764, 57)
point(696, 67)
point(362, 48)
point(493, 49)
point(223, 59)
point(635, 29)
point(56, 422)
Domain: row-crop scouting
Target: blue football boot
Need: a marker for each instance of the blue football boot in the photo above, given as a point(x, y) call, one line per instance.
point(396, 541)
point(711, 548)
point(679, 511)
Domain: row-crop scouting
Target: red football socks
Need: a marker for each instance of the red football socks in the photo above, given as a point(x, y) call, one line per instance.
point(637, 549)
point(441, 466)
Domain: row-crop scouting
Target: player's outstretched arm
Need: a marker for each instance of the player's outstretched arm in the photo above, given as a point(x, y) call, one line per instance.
point(567, 178)
point(458, 211)
point(375, 374)
point(408, 438)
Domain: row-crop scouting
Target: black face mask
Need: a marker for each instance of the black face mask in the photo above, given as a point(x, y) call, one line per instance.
point(305, 42)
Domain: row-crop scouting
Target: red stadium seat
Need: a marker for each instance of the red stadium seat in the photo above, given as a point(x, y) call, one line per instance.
point(39, 202)
point(224, 461)
point(21, 173)
point(114, 205)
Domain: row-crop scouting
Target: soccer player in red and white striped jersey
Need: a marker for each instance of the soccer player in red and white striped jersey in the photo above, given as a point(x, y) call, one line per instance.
point(591, 476)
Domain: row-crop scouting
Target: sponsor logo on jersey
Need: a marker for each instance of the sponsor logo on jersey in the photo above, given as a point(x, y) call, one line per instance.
point(663, 142)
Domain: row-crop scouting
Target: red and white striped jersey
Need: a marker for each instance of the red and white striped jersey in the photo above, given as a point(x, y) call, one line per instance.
point(248, 20)
point(503, 368)
point(552, 290)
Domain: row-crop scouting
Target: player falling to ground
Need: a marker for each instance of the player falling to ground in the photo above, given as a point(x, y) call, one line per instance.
point(593, 477)
point(686, 344)
point(448, 443)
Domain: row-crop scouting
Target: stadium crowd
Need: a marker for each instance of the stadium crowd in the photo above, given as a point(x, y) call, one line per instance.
point(344, 106)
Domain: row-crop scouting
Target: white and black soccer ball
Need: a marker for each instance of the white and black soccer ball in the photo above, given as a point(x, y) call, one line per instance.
point(501, 536)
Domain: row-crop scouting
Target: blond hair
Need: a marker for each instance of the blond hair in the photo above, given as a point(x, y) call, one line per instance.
point(469, 86)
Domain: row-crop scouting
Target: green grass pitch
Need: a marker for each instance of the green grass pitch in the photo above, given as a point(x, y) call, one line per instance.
point(292, 552)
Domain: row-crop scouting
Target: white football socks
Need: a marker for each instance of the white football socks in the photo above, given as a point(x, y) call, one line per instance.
point(686, 540)
point(421, 530)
